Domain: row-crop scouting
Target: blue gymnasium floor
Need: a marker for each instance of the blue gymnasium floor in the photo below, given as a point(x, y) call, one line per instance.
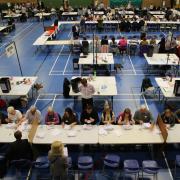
point(51, 68)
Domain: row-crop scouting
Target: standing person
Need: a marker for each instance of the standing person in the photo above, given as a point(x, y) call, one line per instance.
point(85, 46)
point(100, 23)
point(75, 31)
point(82, 25)
point(58, 162)
point(19, 149)
point(87, 90)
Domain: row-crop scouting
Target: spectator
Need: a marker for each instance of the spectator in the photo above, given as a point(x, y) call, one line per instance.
point(87, 90)
point(19, 149)
point(58, 162)
point(33, 114)
point(52, 118)
point(89, 116)
point(125, 118)
point(69, 118)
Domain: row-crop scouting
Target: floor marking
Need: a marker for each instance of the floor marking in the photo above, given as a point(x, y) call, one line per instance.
point(56, 60)
point(67, 63)
point(37, 100)
point(145, 102)
point(53, 100)
point(132, 65)
point(169, 170)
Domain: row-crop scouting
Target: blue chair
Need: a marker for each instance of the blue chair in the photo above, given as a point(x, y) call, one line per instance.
point(111, 160)
point(85, 165)
point(177, 166)
point(22, 167)
point(131, 167)
point(41, 165)
point(150, 167)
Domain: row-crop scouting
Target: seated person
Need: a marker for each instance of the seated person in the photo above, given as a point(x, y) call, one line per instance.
point(19, 149)
point(14, 116)
point(125, 118)
point(169, 117)
point(177, 113)
point(143, 115)
point(33, 114)
point(52, 117)
point(144, 41)
point(104, 45)
point(113, 46)
point(153, 41)
point(122, 45)
point(2, 118)
point(69, 118)
point(85, 46)
point(89, 116)
point(108, 116)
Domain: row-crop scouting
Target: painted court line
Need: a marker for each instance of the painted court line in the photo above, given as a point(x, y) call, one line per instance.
point(145, 102)
point(132, 65)
point(53, 100)
point(56, 60)
point(66, 63)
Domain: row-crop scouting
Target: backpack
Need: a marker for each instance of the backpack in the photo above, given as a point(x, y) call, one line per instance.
point(74, 84)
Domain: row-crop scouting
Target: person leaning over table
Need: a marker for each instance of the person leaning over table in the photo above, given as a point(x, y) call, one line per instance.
point(89, 116)
point(52, 117)
point(69, 117)
point(143, 115)
point(87, 90)
point(125, 118)
point(177, 113)
point(58, 162)
point(33, 114)
point(169, 117)
point(14, 116)
point(107, 116)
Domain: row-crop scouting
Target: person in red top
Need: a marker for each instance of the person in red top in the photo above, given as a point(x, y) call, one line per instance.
point(122, 45)
point(52, 118)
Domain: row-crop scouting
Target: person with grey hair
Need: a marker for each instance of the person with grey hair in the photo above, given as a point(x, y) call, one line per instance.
point(14, 116)
point(52, 117)
point(33, 114)
point(143, 115)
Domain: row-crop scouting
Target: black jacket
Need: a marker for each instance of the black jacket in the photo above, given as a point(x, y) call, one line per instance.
point(19, 149)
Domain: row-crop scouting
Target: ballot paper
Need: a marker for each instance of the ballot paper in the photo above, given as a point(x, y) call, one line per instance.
point(87, 127)
point(146, 125)
point(10, 125)
point(127, 127)
point(72, 133)
point(55, 132)
point(118, 133)
point(108, 127)
point(40, 135)
point(67, 127)
point(102, 131)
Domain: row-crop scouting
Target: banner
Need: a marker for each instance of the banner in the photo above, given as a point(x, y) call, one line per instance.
point(135, 3)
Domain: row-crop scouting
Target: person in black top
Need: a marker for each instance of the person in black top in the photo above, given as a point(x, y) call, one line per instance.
point(85, 46)
point(69, 118)
point(75, 31)
point(2, 118)
point(104, 41)
point(177, 113)
point(89, 116)
point(19, 149)
point(169, 117)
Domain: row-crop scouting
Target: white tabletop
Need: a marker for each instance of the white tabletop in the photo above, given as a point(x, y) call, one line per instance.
point(126, 12)
point(136, 135)
point(98, 12)
point(174, 134)
point(42, 14)
point(13, 15)
point(46, 134)
point(166, 87)
point(7, 132)
point(102, 58)
point(69, 14)
point(104, 86)
point(161, 59)
point(157, 12)
point(160, 16)
point(21, 89)
point(2, 28)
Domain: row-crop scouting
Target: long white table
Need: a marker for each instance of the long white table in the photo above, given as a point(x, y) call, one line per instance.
point(156, 12)
point(173, 134)
point(46, 134)
point(166, 87)
point(18, 87)
point(13, 16)
point(70, 14)
point(7, 132)
point(136, 135)
point(126, 12)
point(43, 14)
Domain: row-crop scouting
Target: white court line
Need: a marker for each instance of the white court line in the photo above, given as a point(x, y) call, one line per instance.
point(132, 65)
point(66, 63)
point(56, 60)
point(167, 165)
point(37, 100)
point(53, 100)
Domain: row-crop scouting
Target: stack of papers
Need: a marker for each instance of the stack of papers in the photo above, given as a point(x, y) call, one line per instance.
point(10, 125)
point(146, 125)
point(55, 132)
point(71, 133)
point(40, 135)
point(108, 127)
point(87, 127)
point(102, 131)
point(127, 127)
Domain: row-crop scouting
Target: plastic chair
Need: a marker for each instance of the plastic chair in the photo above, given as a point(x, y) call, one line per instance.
point(111, 160)
point(177, 166)
point(150, 167)
point(41, 165)
point(131, 166)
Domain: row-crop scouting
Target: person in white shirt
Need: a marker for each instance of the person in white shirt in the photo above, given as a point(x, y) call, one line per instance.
point(87, 90)
point(14, 116)
point(33, 114)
